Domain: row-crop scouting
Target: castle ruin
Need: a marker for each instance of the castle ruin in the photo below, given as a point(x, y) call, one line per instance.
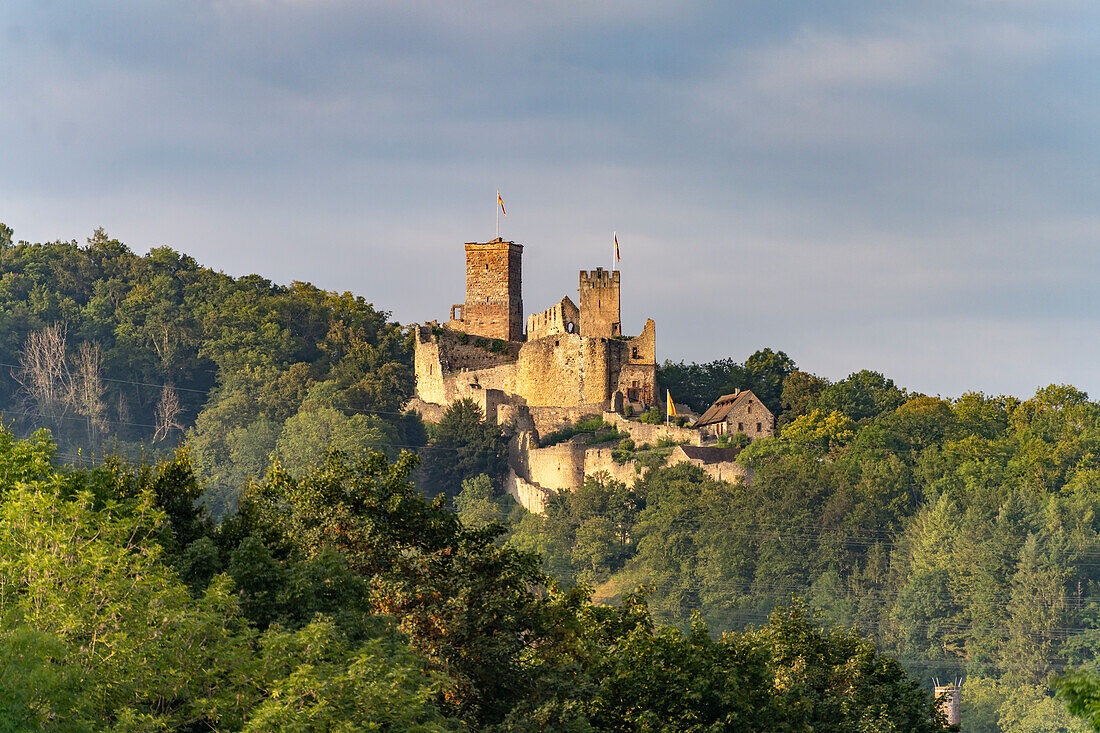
point(571, 359)
point(539, 375)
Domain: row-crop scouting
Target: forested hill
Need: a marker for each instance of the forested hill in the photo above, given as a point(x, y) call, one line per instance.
point(960, 536)
point(112, 351)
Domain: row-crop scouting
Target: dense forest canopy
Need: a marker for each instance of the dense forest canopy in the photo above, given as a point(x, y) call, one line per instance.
point(238, 458)
point(116, 352)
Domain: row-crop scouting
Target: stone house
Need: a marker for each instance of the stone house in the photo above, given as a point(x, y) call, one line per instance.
point(740, 412)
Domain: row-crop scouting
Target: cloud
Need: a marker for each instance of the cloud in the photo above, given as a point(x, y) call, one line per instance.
point(862, 185)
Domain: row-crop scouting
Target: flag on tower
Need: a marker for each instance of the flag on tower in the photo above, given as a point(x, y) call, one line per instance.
point(616, 247)
point(500, 202)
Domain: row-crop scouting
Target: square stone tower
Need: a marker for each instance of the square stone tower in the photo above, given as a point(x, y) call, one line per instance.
point(600, 303)
point(494, 295)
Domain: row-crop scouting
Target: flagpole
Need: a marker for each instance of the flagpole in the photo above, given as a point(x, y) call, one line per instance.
point(496, 205)
point(613, 236)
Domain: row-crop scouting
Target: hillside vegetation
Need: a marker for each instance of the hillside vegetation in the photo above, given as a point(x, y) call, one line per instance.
point(235, 537)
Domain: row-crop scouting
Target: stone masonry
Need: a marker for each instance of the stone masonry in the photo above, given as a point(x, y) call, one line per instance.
point(494, 298)
point(599, 291)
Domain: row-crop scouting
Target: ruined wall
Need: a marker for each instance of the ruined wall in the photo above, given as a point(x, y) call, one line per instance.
point(643, 347)
point(557, 467)
point(562, 318)
point(549, 419)
point(642, 432)
point(599, 303)
point(596, 385)
point(598, 460)
point(550, 371)
point(427, 366)
point(494, 298)
point(637, 377)
point(531, 497)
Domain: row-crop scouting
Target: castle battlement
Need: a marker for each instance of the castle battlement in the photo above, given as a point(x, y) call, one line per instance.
point(600, 278)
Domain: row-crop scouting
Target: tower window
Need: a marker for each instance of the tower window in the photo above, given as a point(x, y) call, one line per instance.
point(634, 353)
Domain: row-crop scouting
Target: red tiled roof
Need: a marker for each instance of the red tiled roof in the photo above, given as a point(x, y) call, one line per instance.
point(717, 412)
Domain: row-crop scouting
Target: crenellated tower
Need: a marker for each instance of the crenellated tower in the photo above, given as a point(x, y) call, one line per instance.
point(599, 304)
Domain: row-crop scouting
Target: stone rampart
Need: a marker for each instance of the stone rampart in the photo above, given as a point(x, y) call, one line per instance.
point(550, 419)
point(597, 460)
point(557, 467)
point(561, 318)
point(531, 497)
point(642, 432)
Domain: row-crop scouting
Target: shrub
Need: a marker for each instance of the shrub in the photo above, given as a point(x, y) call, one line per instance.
point(628, 411)
point(626, 444)
point(462, 338)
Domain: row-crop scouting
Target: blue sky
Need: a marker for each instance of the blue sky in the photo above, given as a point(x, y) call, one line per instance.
point(906, 187)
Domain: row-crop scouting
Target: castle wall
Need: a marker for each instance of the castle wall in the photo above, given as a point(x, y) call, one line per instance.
point(596, 384)
point(531, 497)
point(549, 419)
point(643, 347)
point(550, 371)
point(428, 367)
point(642, 432)
point(597, 460)
point(562, 318)
point(599, 303)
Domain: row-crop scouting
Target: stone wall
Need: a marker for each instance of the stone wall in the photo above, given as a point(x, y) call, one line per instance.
point(562, 318)
point(551, 371)
point(531, 497)
point(427, 366)
point(597, 460)
point(599, 306)
point(642, 432)
point(550, 419)
point(558, 467)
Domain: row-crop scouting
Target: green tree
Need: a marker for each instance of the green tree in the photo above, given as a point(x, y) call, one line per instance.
point(463, 447)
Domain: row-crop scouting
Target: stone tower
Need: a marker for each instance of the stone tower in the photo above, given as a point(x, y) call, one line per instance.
point(600, 303)
point(494, 295)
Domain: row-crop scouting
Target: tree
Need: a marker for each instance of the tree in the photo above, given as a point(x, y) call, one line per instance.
point(167, 414)
point(767, 371)
point(466, 605)
point(862, 395)
point(800, 394)
point(464, 447)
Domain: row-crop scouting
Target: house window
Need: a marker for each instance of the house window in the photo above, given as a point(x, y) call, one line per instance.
point(750, 407)
point(758, 427)
point(741, 427)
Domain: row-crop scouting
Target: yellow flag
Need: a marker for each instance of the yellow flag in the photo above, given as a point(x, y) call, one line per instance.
point(671, 405)
point(500, 201)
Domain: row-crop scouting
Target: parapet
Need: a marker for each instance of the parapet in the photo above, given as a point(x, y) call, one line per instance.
point(599, 278)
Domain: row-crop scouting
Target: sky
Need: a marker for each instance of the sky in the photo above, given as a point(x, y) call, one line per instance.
point(912, 188)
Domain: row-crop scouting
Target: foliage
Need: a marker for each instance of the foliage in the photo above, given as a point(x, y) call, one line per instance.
point(464, 446)
point(151, 350)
